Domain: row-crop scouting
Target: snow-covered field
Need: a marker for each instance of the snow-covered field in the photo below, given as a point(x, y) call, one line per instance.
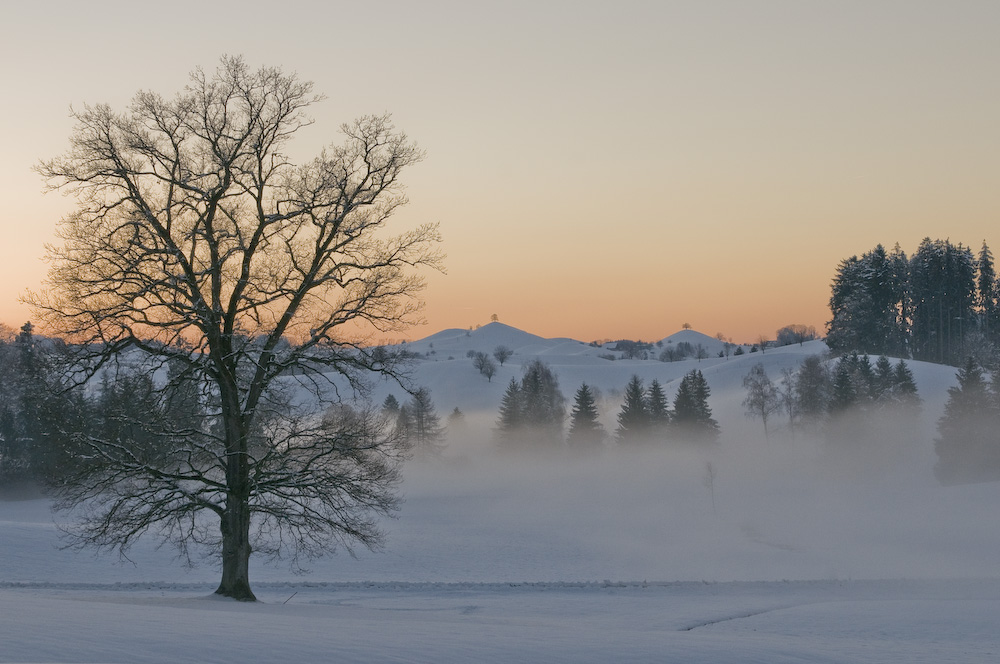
point(791, 553)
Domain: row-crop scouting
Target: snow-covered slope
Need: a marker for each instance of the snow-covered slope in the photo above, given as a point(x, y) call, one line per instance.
point(712, 345)
point(443, 367)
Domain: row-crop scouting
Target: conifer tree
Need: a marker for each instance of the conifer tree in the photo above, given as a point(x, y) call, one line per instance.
point(884, 380)
point(659, 410)
point(812, 387)
point(633, 419)
point(692, 417)
point(543, 405)
point(532, 411)
point(967, 445)
point(391, 405)
point(904, 386)
point(843, 395)
point(987, 305)
point(585, 430)
point(426, 434)
point(510, 419)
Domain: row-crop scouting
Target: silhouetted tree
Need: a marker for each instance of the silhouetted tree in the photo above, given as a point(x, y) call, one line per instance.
point(196, 241)
point(795, 334)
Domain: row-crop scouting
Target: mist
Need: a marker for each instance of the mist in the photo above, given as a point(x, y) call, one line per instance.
point(747, 508)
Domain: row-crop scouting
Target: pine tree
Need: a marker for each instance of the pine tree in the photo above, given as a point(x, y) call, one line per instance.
point(987, 305)
point(943, 292)
point(426, 434)
point(904, 386)
point(883, 391)
point(900, 268)
point(967, 446)
point(659, 410)
point(867, 296)
point(633, 419)
point(390, 406)
point(532, 411)
point(842, 390)
point(692, 417)
point(543, 405)
point(585, 430)
point(510, 421)
point(812, 389)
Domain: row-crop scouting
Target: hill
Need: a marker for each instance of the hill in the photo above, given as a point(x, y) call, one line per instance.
point(442, 365)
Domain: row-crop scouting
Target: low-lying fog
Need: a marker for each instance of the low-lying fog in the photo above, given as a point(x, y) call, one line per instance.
point(748, 509)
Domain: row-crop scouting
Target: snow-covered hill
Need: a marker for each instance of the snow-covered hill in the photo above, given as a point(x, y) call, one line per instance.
point(443, 366)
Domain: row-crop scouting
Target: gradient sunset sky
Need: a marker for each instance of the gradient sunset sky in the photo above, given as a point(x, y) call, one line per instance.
point(599, 170)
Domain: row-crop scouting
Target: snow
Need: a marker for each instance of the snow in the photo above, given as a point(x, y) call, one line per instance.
point(803, 557)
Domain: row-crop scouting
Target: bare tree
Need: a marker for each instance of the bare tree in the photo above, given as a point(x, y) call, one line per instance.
point(197, 242)
point(502, 354)
point(762, 399)
point(484, 365)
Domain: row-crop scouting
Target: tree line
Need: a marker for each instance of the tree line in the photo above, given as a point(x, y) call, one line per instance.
point(938, 305)
point(533, 413)
point(840, 401)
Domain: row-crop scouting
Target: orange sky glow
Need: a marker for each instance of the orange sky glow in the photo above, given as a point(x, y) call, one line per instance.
point(598, 171)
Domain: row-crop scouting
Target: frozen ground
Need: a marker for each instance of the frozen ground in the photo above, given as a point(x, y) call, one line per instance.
point(685, 622)
point(791, 553)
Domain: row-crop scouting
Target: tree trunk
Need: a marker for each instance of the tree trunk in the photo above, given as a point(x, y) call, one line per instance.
point(236, 550)
point(235, 522)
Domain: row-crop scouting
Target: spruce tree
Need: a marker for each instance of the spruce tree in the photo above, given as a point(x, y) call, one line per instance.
point(905, 387)
point(987, 305)
point(532, 411)
point(426, 434)
point(543, 407)
point(967, 446)
point(633, 419)
point(585, 430)
point(843, 395)
point(812, 388)
point(692, 417)
point(391, 405)
point(883, 390)
point(510, 420)
point(659, 409)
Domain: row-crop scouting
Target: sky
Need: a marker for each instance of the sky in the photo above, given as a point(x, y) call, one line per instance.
point(598, 170)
